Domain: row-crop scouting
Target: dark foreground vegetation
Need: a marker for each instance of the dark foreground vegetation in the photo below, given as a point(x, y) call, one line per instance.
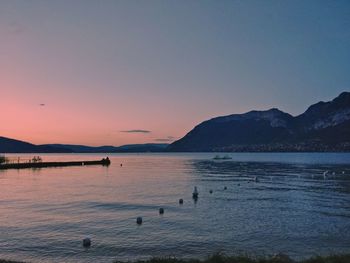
point(219, 258)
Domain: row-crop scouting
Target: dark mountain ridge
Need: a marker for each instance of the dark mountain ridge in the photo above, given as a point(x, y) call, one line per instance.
point(146, 147)
point(324, 126)
point(8, 145)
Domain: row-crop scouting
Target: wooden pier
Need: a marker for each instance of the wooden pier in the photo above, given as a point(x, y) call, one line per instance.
point(104, 162)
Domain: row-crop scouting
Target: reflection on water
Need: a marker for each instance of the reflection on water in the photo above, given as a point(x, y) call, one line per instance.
point(291, 207)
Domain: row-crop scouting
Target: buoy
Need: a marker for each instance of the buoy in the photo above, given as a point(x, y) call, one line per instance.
point(86, 242)
point(239, 184)
point(343, 172)
point(195, 193)
point(225, 188)
point(325, 174)
point(121, 165)
point(161, 211)
point(181, 201)
point(139, 220)
point(210, 191)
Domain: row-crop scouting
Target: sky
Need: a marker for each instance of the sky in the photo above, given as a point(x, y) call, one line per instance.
point(132, 71)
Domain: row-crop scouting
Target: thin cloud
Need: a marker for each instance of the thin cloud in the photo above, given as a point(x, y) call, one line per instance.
point(136, 131)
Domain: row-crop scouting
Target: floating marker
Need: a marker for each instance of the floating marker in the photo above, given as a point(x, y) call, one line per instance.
point(86, 242)
point(139, 220)
point(161, 211)
point(225, 188)
point(181, 201)
point(325, 174)
point(195, 193)
point(210, 191)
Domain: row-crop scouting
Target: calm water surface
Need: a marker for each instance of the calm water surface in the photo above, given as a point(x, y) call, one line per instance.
point(293, 208)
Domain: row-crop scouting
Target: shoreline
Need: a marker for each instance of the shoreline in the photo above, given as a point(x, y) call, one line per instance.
point(222, 258)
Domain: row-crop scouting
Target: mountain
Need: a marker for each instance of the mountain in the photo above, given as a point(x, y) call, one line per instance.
point(147, 147)
point(324, 126)
point(8, 145)
point(82, 148)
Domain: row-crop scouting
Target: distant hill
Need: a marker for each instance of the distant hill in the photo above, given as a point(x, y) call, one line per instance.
point(324, 126)
point(148, 147)
point(8, 145)
point(82, 148)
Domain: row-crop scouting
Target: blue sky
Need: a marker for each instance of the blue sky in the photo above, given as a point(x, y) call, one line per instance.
point(163, 66)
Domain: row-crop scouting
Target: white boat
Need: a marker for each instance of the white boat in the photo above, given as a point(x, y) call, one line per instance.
point(226, 157)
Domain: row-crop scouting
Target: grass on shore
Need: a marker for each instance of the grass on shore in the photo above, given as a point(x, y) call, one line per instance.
point(219, 258)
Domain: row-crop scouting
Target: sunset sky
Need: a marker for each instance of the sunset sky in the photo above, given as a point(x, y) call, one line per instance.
point(119, 72)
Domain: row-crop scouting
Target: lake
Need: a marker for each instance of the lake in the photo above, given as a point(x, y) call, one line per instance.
point(292, 208)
